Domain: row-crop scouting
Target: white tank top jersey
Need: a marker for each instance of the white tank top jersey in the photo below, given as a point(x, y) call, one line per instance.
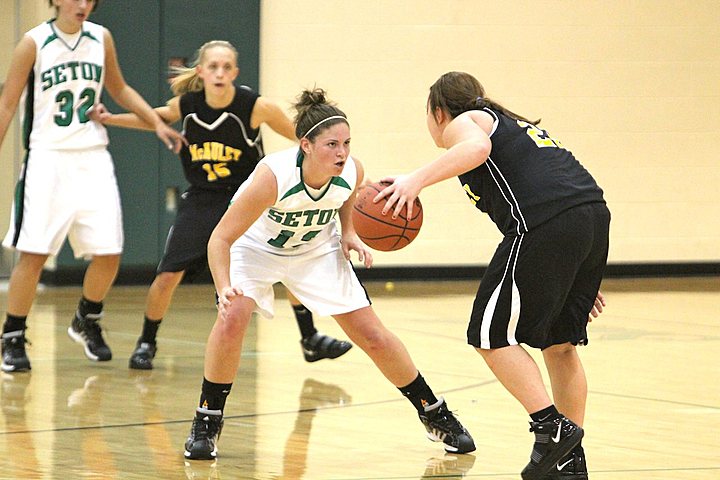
point(300, 220)
point(66, 80)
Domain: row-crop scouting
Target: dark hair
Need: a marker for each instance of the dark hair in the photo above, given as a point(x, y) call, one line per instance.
point(313, 107)
point(459, 92)
point(95, 4)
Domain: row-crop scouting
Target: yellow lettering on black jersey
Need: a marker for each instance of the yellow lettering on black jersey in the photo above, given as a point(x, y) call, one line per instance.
point(214, 151)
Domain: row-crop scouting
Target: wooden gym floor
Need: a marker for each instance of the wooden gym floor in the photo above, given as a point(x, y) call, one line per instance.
point(653, 407)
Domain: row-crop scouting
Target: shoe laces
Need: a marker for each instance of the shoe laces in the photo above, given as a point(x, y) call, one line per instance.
point(145, 349)
point(205, 427)
point(15, 342)
point(92, 330)
point(444, 419)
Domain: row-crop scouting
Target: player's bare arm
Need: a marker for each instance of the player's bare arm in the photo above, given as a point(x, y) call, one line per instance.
point(468, 146)
point(350, 240)
point(247, 207)
point(272, 115)
point(21, 63)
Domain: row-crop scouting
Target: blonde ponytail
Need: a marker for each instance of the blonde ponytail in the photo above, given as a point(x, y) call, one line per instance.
point(185, 79)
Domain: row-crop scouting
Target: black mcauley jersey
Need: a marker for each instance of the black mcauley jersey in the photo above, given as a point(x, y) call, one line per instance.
point(528, 178)
point(222, 147)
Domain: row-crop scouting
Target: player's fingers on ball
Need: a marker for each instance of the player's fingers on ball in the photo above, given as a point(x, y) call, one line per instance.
point(409, 209)
point(381, 194)
point(398, 208)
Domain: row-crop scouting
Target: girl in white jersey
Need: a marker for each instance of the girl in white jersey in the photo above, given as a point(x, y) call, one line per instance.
point(67, 187)
point(281, 227)
point(211, 109)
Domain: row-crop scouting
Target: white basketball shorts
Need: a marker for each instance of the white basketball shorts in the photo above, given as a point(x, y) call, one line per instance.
point(322, 279)
point(67, 194)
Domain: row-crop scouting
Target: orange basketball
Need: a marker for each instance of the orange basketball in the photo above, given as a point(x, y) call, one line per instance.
point(382, 232)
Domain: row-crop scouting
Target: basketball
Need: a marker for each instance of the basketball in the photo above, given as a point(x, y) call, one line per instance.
point(382, 232)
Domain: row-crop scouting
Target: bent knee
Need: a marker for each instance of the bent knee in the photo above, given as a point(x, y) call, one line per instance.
point(560, 350)
point(374, 340)
point(167, 280)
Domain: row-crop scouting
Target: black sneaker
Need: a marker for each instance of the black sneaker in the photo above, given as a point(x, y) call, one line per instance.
point(442, 426)
point(142, 357)
point(321, 346)
point(204, 434)
point(14, 358)
point(559, 436)
point(570, 467)
point(88, 332)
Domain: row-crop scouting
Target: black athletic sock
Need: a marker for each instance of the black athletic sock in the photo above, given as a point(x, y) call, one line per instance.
point(419, 394)
point(150, 329)
point(13, 323)
point(304, 319)
point(88, 307)
point(213, 395)
point(546, 414)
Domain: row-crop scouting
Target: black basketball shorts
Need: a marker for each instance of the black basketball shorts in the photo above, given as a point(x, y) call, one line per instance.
point(540, 286)
point(199, 211)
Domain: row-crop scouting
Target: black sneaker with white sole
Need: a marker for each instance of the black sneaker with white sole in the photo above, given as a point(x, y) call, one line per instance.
point(204, 434)
point(14, 358)
point(442, 426)
point(87, 331)
point(554, 439)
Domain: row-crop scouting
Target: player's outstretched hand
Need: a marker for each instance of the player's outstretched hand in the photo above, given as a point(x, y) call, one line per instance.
point(403, 190)
point(597, 307)
point(352, 242)
point(225, 299)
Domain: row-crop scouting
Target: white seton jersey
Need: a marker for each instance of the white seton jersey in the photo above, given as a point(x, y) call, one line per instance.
point(66, 80)
point(301, 220)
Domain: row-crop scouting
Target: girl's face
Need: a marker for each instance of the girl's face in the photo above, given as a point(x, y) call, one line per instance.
point(436, 125)
point(72, 13)
point(329, 151)
point(218, 69)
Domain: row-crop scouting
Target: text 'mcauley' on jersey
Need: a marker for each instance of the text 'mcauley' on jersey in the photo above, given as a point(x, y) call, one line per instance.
point(64, 83)
point(222, 148)
point(299, 221)
point(528, 178)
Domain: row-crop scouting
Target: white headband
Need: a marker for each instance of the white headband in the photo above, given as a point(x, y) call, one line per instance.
point(323, 121)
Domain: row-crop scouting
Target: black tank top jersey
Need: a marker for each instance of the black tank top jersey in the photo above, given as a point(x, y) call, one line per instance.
point(528, 178)
point(222, 147)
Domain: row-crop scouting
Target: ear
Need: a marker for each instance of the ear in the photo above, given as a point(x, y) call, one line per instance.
point(305, 145)
point(440, 115)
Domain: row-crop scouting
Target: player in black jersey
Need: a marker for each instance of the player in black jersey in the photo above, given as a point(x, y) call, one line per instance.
point(221, 123)
point(542, 284)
